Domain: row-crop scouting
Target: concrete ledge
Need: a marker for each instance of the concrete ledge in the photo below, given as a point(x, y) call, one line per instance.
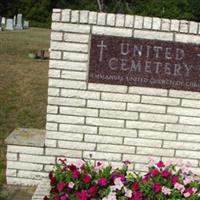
point(26, 158)
point(26, 137)
point(42, 190)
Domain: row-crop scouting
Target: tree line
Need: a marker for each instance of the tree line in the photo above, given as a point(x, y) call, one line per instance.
point(39, 11)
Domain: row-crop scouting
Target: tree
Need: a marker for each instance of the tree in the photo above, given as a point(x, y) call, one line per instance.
point(195, 9)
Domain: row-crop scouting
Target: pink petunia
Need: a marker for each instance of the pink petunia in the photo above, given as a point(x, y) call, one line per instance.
point(99, 166)
point(79, 163)
point(187, 194)
point(71, 185)
point(111, 196)
point(128, 193)
point(179, 187)
point(187, 180)
point(168, 163)
point(166, 191)
point(64, 197)
point(118, 183)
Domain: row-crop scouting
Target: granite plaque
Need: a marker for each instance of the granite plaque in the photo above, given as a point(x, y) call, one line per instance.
point(146, 63)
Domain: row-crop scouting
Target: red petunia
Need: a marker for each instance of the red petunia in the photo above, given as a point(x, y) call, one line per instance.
point(157, 187)
point(56, 198)
point(53, 190)
point(137, 196)
point(53, 181)
point(61, 186)
point(82, 195)
point(160, 164)
point(92, 190)
point(174, 179)
point(72, 167)
point(50, 175)
point(87, 179)
point(75, 174)
point(154, 172)
point(165, 173)
point(135, 186)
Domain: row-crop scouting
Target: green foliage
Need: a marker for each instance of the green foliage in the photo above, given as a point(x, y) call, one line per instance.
point(179, 9)
point(84, 180)
point(1, 173)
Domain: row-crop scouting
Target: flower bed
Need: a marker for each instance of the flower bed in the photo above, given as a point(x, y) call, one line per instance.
point(85, 181)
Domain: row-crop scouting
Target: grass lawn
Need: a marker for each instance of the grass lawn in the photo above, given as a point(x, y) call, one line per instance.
point(23, 84)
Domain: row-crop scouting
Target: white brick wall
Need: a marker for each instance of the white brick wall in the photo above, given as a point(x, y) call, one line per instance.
point(25, 164)
point(25, 149)
point(154, 35)
point(115, 122)
point(109, 122)
point(98, 30)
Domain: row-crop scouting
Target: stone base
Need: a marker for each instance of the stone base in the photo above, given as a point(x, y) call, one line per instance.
point(9, 29)
point(13, 192)
point(25, 157)
point(18, 27)
point(42, 190)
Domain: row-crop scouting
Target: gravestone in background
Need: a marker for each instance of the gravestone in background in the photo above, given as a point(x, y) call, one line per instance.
point(14, 21)
point(9, 24)
point(0, 24)
point(3, 21)
point(26, 24)
point(19, 25)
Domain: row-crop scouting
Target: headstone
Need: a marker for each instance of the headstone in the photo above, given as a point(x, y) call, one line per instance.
point(14, 21)
point(0, 24)
point(19, 25)
point(9, 24)
point(26, 24)
point(3, 21)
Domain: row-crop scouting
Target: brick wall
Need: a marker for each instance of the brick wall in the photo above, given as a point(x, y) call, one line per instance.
point(25, 165)
point(115, 123)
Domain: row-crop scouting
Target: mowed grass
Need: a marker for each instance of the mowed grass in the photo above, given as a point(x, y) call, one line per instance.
point(23, 84)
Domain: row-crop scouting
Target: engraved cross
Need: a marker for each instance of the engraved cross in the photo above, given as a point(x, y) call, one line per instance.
point(101, 46)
